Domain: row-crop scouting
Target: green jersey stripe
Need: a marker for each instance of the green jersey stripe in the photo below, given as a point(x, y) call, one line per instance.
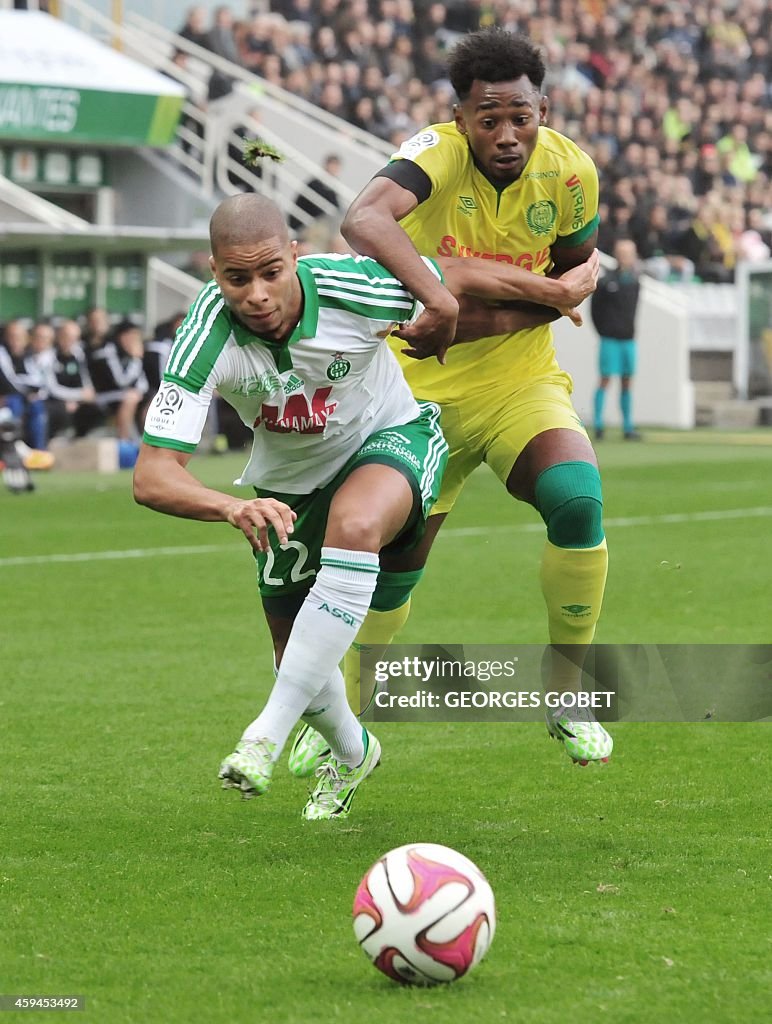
point(349, 565)
point(164, 442)
point(366, 278)
point(197, 338)
point(437, 448)
point(204, 297)
point(192, 324)
point(364, 306)
point(363, 288)
point(201, 356)
point(200, 359)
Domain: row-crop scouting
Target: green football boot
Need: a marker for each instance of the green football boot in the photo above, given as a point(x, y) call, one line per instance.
point(337, 783)
point(309, 750)
point(583, 737)
point(249, 768)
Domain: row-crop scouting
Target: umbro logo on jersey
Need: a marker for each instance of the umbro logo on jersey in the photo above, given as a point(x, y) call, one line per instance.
point(466, 205)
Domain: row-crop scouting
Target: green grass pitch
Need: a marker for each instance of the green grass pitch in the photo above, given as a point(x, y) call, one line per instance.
point(634, 893)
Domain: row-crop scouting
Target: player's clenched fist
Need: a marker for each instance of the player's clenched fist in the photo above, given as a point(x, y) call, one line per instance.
point(254, 517)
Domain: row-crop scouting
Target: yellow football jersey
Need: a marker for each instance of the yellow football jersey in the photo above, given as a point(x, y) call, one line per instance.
point(555, 197)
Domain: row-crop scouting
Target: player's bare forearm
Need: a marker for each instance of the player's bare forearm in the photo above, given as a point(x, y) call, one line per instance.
point(162, 482)
point(503, 282)
point(477, 319)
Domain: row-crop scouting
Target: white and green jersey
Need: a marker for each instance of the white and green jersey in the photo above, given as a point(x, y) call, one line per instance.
point(310, 401)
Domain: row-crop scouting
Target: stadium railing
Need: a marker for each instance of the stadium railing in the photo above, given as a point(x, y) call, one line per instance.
point(301, 132)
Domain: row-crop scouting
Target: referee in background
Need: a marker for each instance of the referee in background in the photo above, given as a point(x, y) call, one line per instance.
point(613, 308)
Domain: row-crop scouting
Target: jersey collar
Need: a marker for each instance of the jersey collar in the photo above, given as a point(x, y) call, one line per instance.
point(305, 328)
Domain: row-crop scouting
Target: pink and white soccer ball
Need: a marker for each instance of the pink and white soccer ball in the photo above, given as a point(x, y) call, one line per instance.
point(424, 914)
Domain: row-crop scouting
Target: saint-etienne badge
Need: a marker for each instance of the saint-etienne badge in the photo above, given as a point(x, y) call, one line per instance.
point(338, 368)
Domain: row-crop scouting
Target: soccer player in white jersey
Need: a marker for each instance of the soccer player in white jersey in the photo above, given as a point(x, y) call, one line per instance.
point(344, 462)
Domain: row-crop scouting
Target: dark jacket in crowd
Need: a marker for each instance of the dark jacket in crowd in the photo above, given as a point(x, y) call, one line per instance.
point(305, 202)
point(68, 375)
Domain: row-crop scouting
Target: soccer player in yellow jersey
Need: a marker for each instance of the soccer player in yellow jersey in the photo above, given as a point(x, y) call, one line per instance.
point(497, 183)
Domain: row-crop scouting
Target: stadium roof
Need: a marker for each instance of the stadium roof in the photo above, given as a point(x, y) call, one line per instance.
point(99, 239)
point(59, 84)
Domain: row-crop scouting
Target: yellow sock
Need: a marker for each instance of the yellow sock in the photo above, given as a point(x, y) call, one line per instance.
point(379, 628)
point(572, 581)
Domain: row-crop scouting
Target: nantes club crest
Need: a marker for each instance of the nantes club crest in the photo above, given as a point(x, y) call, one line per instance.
point(541, 217)
point(338, 368)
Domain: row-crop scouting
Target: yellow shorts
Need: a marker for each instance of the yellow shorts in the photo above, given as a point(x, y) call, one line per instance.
point(494, 427)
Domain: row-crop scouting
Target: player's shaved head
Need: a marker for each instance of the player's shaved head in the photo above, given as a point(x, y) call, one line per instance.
point(246, 219)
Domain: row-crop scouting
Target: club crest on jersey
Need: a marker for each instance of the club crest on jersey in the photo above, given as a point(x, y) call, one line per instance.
point(338, 368)
point(541, 217)
point(466, 205)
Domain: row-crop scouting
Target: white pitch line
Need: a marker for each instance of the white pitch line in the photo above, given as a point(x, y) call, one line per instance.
point(107, 556)
point(450, 533)
point(620, 521)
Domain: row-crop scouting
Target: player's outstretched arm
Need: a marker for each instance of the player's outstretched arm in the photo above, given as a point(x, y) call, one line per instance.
point(522, 299)
point(502, 282)
point(371, 227)
point(162, 482)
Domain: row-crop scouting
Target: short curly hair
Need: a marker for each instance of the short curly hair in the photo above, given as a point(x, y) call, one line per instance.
point(494, 55)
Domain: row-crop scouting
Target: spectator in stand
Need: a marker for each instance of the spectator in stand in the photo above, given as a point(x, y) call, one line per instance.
point(41, 348)
point(22, 385)
point(96, 329)
point(256, 43)
point(39, 361)
point(644, 88)
point(194, 29)
point(657, 245)
point(72, 408)
point(319, 187)
point(156, 353)
point(708, 243)
point(220, 38)
point(741, 163)
point(13, 372)
point(119, 379)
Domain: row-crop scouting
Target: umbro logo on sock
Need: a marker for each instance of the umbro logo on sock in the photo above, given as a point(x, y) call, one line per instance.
point(577, 610)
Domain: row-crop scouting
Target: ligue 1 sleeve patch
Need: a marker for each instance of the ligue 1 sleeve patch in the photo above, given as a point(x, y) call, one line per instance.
point(411, 148)
point(165, 409)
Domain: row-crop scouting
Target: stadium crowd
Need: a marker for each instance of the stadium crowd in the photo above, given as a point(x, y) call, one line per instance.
point(78, 377)
point(671, 99)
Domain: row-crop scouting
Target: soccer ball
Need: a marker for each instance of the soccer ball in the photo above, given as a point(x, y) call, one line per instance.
point(424, 914)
